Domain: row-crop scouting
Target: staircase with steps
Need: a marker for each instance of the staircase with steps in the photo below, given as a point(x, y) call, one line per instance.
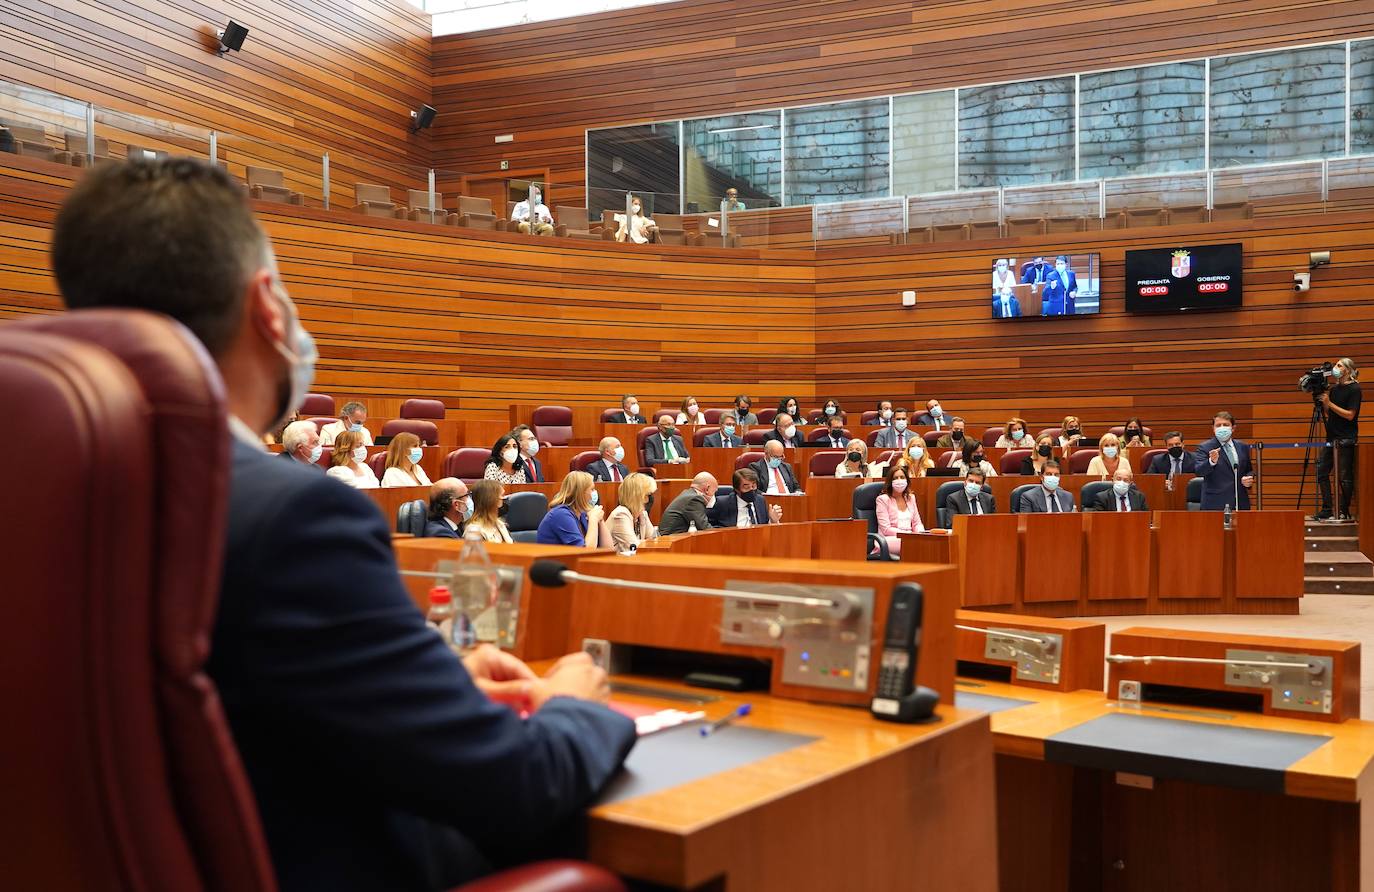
point(1335, 565)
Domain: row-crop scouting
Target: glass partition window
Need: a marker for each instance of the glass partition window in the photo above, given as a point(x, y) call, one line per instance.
point(640, 158)
point(1016, 134)
point(1362, 97)
point(836, 152)
point(743, 152)
point(1142, 120)
point(923, 143)
point(1281, 106)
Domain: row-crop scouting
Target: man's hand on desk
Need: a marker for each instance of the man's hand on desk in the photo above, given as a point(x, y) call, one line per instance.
point(573, 676)
point(775, 512)
point(502, 677)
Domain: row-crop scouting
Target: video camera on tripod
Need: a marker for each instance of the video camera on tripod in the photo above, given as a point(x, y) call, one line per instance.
point(1318, 380)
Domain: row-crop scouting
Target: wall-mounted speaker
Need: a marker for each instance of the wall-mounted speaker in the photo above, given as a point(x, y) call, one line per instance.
point(231, 37)
point(420, 120)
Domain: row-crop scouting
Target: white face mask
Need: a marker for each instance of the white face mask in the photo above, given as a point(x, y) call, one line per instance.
point(360, 454)
point(936, 411)
point(916, 450)
point(790, 431)
point(508, 455)
point(301, 362)
point(886, 413)
point(1109, 451)
point(1121, 487)
point(899, 485)
point(316, 453)
point(692, 411)
point(633, 408)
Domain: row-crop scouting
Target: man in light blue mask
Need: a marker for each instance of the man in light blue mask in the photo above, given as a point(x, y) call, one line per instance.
point(610, 468)
point(728, 437)
point(352, 417)
point(301, 443)
point(1223, 463)
point(1122, 496)
point(775, 474)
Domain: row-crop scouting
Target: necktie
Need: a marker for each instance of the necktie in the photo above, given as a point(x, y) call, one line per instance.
point(976, 505)
point(615, 474)
point(535, 468)
point(901, 438)
point(1124, 506)
point(753, 519)
point(778, 484)
point(1178, 466)
point(1231, 454)
point(1053, 502)
point(668, 451)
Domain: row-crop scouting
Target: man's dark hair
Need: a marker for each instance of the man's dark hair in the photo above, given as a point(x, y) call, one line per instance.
point(174, 236)
point(441, 504)
point(1227, 416)
point(742, 475)
point(1049, 463)
point(976, 472)
point(1171, 434)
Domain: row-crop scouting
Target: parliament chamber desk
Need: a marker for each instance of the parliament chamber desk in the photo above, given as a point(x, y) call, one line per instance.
point(1097, 794)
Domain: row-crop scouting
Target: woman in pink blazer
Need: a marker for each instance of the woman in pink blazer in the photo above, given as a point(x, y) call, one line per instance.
point(896, 509)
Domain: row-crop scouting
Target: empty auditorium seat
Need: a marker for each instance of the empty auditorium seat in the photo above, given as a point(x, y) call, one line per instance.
point(984, 229)
point(427, 431)
point(418, 202)
point(766, 416)
point(922, 235)
point(316, 404)
point(1080, 459)
point(415, 408)
point(947, 458)
point(76, 149)
point(755, 437)
point(670, 414)
point(1232, 210)
point(377, 462)
point(573, 223)
point(1010, 462)
point(475, 213)
point(713, 415)
point(949, 232)
point(1137, 217)
point(1050, 432)
point(746, 459)
point(412, 516)
point(552, 424)
point(931, 437)
point(32, 142)
point(1054, 225)
point(672, 230)
point(608, 416)
point(1193, 494)
point(467, 464)
point(1142, 464)
point(825, 461)
point(375, 201)
point(524, 511)
point(583, 459)
point(991, 435)
point(1025, 226)
point(265, 184)
point(713, 239)
point(1187, 214)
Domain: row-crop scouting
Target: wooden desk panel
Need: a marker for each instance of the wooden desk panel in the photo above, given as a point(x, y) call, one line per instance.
point(988, 558)
point(1190, 548)
point(833, 497)
point(1052, 557)
point(1118, 546)
point(1081, 667)
point(841, 540)
point(795, 508)
point(929, 548)
point(1269, 560)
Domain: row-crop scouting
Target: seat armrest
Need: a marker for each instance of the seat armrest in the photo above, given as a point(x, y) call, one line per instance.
point(883, 553)
point(548, 876)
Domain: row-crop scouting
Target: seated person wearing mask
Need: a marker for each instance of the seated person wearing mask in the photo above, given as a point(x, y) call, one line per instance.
point(503, 465)
point(1005, 304)
point(973, 456)
point(301, 443)
point(954, 438)
point(896, 509)
point(897, 436)
point(745, 506)
point(690, 507)
point(574, 517)
point(933, 416)
point(1015, 436)
point(609, 468)
point(521, 213)
point(1109, 458)
point(1071, 432)
point(1178, 460)
point(1035, 462)
point(449, 507)
point(775, 474)
point(629, 411)
point(484, 513)
point(629, 522)
point(666, 446)
point(790, 406)
point(641, 229)
point(1035, 272)
point(784, 432)
point(690, 412)
point(351, 418)
point(855, 462)
point(744, 417)
point(971, 499)
point(728, 437)
point(1123, 496)
point(528, 444)
point(835, 435)
point(1133, 434)
point(1047, 498)
point(349, 462)
point(403, 456)
point(885, 413)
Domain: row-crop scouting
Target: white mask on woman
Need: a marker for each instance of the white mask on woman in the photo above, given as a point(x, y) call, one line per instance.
point(508, 455)
point(360, 453)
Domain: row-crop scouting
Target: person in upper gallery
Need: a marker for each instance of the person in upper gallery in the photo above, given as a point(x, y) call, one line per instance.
point(665, 447)
point(403, 456)
point(1223, 463)
point(743, 416)
point(885, 413)
point(1133, 434)
point(896, 510)
point(503, 465)
point(972, 455)
point(574, 517)
point(445, 779)
point(954, 437)
point(1043, 452)
point(897, 436)
point(1177, 460)
point(351, 418)
point(301, 443)
point(1061, 287)
point(690, 507)
point(1014, 436)
point(528, 443)
point(728, 436)
point(836, 437)
point(745, 505)
point(731, 202)
point(855, 462)
point(1005, 305)
point(629, 522)
point(450, 505)
point(933, 416)
point(1110, 456)
point(610, 468)
point(484, 513)
point(774, 469)
point(542, 220)
point(784, 432)
point(690, 412)
point(1047, 498)
point(1123, 496)
point(970, 498)
point(641, 229)
point(349, 462)
point(629, 411)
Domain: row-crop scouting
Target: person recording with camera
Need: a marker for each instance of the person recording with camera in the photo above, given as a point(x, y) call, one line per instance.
point(1341, 406)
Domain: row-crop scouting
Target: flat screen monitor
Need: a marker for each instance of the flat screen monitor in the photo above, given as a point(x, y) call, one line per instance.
point(1045, 285)
point(1194, 277)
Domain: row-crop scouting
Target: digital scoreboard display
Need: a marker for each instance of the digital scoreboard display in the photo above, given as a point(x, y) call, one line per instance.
point(1170, 280)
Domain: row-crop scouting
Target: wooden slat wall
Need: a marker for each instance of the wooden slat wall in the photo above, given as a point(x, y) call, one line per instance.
point(547, 82)
point(313, 73)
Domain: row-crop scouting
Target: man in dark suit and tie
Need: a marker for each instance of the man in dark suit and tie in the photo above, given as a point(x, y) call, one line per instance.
point(774, 473)
point(898, 436)
point(449, 507)
point(529, 446)
point(1047, 498)
point(609, 468)
point(961, 502)
point(1123, 496)
point(744, 417)
point(378, 759)
point(836, 437)
point(1178, 460)
point(728, 437)
point(666, 446)
point(690, 507)
point(300, 442)
point(1005, 305)
point(1223, 463)
point(1034, 272)
point(933, 416)
point(1061, 287)
point(629, 411)
point(744, 506)
point(784, 431)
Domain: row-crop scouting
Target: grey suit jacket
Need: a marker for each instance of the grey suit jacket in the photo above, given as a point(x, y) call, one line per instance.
point(1034, 501)
point(654, 452)
point(689, 507)
point(887, 438)
point(717, 441)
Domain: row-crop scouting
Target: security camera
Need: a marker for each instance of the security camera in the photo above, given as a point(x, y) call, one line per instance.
point(1318, 258)
point(1302, 282)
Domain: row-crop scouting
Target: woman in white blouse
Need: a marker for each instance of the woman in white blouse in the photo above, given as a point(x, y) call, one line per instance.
point(486, 523)
point(629, 523)
point(641, 230)
point(973, 457)
point(690, 412)
point(349, 463)
point(855, 462)
point(501, 463)
point(403, 462)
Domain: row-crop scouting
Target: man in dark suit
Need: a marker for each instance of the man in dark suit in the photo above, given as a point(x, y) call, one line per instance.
point(1061, 287)
point(300, 443)
point(1047, 498)
point(960, 501)
point(1034, 272)
point(836, 437)
point(954, 437)
point(1178, 460)
point(743, 416)
point(666, 446)
point(744, 505)
point(774, 473)
point(728, 437)
point(1005, 305)
point(690, 507)
point(1123, 496)
point(784, 431)
point(449, 507)
point(377, 758)
point(609, 467)
point(629, 411)
point(529, 447)
point(1223, 463)
point(933, 416)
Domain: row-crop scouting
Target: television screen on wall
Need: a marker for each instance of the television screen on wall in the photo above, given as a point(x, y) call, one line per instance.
point(1045, 285)
point(1195, 277)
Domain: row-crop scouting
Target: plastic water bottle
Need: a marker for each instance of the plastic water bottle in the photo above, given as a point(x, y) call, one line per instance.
point(440, 616)
point(1227, 519)
point(691, 526)
point(475, 584)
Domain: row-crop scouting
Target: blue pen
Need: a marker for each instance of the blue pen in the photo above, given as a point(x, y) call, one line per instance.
point(739, 713)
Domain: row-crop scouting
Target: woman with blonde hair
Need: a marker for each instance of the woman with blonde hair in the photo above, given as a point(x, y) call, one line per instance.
point(349, 462)
point(486, 523)
point(855, 462)
point(403, 462)
point(690, 412)
point(629, 523)
point(1109, 458)
point(1015, 435)
point(916, 459)
point(574, 518)
point(1043, 452)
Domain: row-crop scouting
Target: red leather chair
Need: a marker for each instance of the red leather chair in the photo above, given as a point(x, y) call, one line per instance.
point(467, 464)
point(321, 421)
point(815, 416)
point(326, 457)
point(608, 415)
point(766, 416)
point(583, 459)
point(822, 433)
point(947, 458)
point(552, 424)
point(931, 437)
point(1080, 459)
point(431, 409)
point(1051, 432)
point(317, 404)
point(869, 417)
point(991, 434)
point(1011, 461)
point(670, 414)
point(872, 437)
point(825, 461)
point(644, 434)
point(746, 459)
point(755, 437)
point(1143, 465)
point(713, 415)
point(377, 462)
point(427, 431)
point(701, 433)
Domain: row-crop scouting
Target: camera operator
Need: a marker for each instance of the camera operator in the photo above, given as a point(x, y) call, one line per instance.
point(1342, 404)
